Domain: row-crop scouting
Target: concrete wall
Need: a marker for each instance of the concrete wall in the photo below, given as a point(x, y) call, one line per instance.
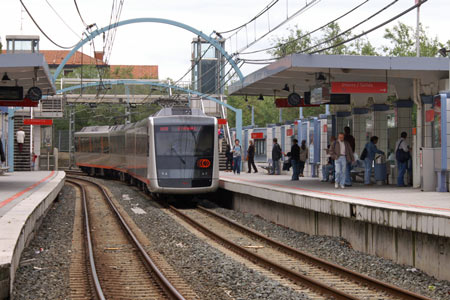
point(428, 252)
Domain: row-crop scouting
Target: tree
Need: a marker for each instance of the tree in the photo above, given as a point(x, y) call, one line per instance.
point(296, 41)
point(402, 39)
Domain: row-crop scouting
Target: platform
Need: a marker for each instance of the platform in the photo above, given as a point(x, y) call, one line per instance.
point(24, 200)
point(402, 224)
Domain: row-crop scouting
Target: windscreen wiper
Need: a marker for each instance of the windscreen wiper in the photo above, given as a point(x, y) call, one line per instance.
point(177, 154)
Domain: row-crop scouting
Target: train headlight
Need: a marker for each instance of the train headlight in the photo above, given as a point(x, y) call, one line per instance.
point(203, 163)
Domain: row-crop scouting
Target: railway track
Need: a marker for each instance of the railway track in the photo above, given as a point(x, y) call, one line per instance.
point(118, 265)
point(325, 279)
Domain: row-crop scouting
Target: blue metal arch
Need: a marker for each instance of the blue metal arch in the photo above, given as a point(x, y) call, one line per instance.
point(238, 111)
point(150, 20)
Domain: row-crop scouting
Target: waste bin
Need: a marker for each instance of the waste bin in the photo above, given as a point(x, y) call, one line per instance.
point(380, 169)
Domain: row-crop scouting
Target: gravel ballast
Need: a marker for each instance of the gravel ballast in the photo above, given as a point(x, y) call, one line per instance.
point(43, 272)
point(211, 274)
point(339, 251)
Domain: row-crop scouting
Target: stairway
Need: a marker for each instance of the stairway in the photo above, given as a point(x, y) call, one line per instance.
point(222, 157)
point(22, 160)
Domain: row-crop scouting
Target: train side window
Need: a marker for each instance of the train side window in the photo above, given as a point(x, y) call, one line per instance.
point(105, 144)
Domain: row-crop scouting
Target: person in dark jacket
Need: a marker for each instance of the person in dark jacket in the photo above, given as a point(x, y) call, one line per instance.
point(229, 157)
point(2, 153)
point(351, 140)
point(295, 159)
point(251, 157)
point(372, 150)
point(276, 156)
point(342, 154)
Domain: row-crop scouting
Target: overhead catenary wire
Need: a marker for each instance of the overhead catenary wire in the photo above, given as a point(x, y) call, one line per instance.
point(308, 33)
point(351, 28)
point(42, 31)
point(79, 13)
point(268, 6)
point(62, 20)
point(372, 29)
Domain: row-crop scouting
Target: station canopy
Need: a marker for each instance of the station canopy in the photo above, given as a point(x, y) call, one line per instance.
point(26, 70)
point(301, 71)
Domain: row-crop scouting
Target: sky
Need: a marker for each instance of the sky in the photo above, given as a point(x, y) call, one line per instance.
point(170, 47)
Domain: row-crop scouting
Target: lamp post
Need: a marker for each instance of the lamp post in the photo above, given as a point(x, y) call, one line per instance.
point(252, 108)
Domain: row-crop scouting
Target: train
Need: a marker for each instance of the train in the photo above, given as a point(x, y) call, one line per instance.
point(174, 151)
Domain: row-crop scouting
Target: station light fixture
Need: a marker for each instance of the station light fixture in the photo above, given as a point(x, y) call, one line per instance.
point(286, 88)
point(443, 52)
point(6, 77)
point(320, 77)
point(261, 98)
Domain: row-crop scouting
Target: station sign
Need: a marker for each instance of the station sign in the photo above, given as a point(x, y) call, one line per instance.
point(42, 122)
point(257, 135)
point(19, 103)
point(283, 102)
point(356, 87)
point(222, 121)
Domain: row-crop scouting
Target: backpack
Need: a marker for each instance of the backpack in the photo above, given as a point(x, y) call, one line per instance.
point(363, 154)
point(400, 154)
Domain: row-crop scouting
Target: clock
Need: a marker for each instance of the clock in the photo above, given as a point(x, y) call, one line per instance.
point(34, 93)
point(294, 99)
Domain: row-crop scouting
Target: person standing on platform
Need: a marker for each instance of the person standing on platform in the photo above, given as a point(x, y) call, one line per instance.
point(276, 156)
point(251, 157)
point(371, 149)
point(329, 167)
point(229, 157)
point(295, 159)
point(402, 156)
point(304, 153)
point(351, 140)
point(237, 154)
point(342, 154)
point(2, 153)
point(20, 137)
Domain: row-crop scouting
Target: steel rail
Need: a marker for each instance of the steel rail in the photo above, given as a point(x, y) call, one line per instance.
point(358, 277)
point(293, 275)
point(97, 286)
point(163, 282)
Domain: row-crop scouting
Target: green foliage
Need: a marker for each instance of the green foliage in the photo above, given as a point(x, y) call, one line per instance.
point(402, 41)
point(291, 44)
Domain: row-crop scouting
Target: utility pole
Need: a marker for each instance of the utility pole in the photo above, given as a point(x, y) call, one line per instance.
point(418, 29)
point(71, 133)
point(127, 108)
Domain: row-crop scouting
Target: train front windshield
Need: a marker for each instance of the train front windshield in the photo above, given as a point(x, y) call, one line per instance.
point(184, 155)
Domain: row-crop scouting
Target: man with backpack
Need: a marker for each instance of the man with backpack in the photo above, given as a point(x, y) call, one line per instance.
point(402, 157)
point(276, 156)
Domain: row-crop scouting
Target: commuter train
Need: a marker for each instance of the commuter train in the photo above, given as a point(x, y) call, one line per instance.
point(174, 151)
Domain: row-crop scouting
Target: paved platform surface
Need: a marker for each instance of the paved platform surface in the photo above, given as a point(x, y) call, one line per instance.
point(24, 199)
point(385, 196)
point(17, 186)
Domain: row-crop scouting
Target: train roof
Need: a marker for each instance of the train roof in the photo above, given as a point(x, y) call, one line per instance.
point(179, 111)
point(93, 130)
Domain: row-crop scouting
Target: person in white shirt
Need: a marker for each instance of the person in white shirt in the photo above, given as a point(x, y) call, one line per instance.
point(402, 156)
point(20, 137)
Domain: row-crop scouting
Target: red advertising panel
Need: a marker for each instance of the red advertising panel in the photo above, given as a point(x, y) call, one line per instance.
point(429, 115)
point(47, 122)
point(222, 121)
point(358, 87)
point(289, 132)
point(257, 135)
point(325, 128)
